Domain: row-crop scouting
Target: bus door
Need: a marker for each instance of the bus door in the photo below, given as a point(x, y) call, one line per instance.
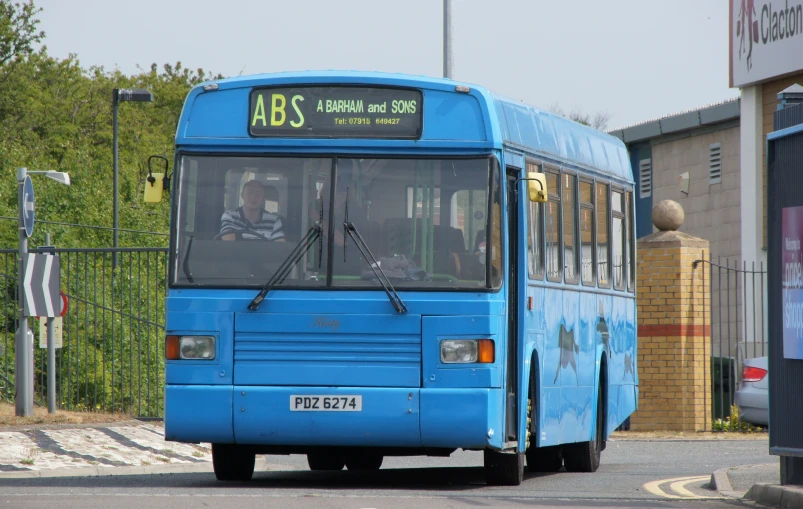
point(512, 384)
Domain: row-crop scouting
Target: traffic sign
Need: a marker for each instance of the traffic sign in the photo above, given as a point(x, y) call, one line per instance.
point(41, 285)
point(28, 206)
point(65, 303)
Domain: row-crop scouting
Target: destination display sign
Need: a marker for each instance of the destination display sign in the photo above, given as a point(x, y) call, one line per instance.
point(335, 112)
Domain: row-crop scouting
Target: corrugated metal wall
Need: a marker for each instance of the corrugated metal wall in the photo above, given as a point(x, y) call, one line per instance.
point(785, 189)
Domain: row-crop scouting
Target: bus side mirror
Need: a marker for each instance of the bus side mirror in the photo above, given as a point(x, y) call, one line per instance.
point(154, 186)
point(156, 183)
point(536, 187)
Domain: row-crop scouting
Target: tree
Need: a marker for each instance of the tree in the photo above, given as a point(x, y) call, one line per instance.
point(18, 26)
point(599, 121)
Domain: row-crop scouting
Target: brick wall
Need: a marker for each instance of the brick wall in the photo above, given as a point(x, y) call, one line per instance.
point(673, 328)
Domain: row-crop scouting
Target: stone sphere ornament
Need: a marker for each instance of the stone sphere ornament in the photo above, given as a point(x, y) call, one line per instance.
point(667, 215)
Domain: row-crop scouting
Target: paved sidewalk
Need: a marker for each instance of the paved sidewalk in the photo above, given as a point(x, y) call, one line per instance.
point(37, 451)
point(759, 483)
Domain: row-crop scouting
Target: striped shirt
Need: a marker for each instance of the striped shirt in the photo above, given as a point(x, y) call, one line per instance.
point(269, 225)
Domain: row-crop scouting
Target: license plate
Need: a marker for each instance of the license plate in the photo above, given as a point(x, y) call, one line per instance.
point(325, 403)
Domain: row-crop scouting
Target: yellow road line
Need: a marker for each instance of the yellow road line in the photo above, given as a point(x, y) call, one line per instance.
point(678, 485)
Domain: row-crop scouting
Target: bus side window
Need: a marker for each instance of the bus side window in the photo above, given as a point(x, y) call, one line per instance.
point(618, 234)
point(535, 233)
point(554, 253)
point(631, 243)
point(603, 268)
point(587, 232)
point(569, 192)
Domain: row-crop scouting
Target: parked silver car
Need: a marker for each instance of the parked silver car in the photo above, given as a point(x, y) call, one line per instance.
point(752, 398)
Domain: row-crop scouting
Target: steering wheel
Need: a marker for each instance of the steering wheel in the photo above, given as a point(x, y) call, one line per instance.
point(220, 235)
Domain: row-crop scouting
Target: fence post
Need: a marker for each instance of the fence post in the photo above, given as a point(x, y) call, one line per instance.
point(673, 327)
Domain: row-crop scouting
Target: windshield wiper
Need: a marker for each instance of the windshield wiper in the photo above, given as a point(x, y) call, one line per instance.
point(313, 234)
point(394, 298)
point(185, 266)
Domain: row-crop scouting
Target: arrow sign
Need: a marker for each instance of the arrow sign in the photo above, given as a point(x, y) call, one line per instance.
point(27, 206)
point(41, 285)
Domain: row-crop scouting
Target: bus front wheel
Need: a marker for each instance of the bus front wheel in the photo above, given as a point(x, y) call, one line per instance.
point(503, 469)
point(232, 462)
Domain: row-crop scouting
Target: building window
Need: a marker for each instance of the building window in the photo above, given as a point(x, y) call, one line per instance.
point(715, 163)
point(645, 178)
point(554, 264)
point(603, 268)
point(535, 233)
point(569, 231)
point(587, 232)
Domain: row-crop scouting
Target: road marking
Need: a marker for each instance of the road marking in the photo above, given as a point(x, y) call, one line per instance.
point(678, 485)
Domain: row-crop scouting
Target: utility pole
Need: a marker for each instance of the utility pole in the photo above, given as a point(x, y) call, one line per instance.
point(448, 67)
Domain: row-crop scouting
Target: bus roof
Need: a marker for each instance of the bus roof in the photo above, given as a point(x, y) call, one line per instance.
point(504, 122)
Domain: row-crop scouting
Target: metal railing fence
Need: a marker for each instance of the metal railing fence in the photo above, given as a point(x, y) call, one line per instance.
point(737, 332)
point(113, 333)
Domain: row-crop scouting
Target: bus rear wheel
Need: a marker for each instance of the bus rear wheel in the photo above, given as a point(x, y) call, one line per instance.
point(503, 469)
point(232, 462)
point(364, 461)
point(325, 461)
point(585, 456)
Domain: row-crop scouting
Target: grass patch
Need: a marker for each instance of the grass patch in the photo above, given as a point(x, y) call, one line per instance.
point(197, 454)
point(40, 416)
point(162, 458)
point(26, 461)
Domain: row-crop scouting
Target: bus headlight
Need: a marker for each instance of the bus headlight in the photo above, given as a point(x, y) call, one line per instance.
point(196, 347)
point(465, 351)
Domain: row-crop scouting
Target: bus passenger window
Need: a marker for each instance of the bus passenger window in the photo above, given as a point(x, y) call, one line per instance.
point(569, 235)
point(535, 234)
point(631, 244)
point(618, 236)
point(554, 270)
point(586, 232)
point(603, 268)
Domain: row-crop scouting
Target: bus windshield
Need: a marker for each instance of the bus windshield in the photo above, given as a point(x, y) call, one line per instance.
point(424, 221)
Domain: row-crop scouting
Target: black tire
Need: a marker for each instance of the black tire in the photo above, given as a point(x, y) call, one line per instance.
point(503, 469)
point(325, 461)
point(232, 462)
point(364, 461)
point(544, 459)
point(585, 456)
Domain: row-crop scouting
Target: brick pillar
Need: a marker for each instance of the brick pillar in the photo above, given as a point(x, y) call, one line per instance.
point(674, 321)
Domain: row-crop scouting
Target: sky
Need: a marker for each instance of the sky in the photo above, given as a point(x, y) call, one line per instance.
point(634, 60)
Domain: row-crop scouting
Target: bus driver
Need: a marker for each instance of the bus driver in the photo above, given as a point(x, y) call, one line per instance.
point(251, 221)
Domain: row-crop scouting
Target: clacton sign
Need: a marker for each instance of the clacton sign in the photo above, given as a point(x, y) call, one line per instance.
point(792, 282)
point(766, 39)
point(335, 112)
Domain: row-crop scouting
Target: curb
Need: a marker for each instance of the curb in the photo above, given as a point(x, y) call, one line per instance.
point(184, 468)
point(722, 483)
point(785, 497)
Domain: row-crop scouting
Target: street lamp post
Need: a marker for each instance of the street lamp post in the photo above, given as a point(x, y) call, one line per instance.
point(122, 95)
point(23, 350)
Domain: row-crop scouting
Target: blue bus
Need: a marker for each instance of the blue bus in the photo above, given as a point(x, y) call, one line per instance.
point(366, 265)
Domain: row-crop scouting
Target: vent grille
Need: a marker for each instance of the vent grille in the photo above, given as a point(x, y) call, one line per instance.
point(714, 163)
point(645, 178)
